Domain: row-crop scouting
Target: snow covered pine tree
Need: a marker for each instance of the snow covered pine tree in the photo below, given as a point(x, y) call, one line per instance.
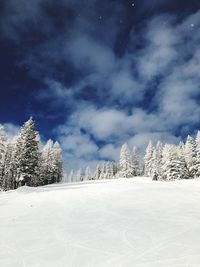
point(28, 155)
point(125, 162)
point(197, 140)
point(190, 156)
point(149, 161)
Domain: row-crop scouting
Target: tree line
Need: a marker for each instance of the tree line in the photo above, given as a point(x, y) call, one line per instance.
point(160, 162)
point(24, 161)
point(163, 161)
point(105, 170)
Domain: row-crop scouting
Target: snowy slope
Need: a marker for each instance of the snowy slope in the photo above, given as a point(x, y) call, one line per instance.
point(125, 222)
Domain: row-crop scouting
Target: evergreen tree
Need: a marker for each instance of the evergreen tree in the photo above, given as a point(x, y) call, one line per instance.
point(183, 169)
point(173, 165)
point(77, 176)
point(125, 162)
point(65, 178)
point(97, 172)
point(149, 160)
point(57, 163)
point(135, 162)
point(88, 174)
point(190, 156)
point(115, 169)
point(108, 171)
point(3, 145)
point(51, 170)
point(28, 155)
point(111, 170)
point(71, 176)
point(47, 159)
point(157, 161)
point(154, 172)
point(103, 171)
point(9, 168)
point(198, 154)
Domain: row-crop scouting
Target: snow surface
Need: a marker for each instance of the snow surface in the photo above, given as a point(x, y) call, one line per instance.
point(126, 222)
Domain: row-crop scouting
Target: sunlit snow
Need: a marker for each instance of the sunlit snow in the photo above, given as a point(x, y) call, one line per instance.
point(123, 222)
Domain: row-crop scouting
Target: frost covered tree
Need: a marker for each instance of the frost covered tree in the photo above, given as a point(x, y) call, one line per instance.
point(57, 163)
point(46, 167)
point(183, 170)
point(3, 146)
point(135, 162)
point(154, 173)
point(125, 162)
point(28, 155)
point(88, 174)
point(51, 167)
point(167, 157)
point(115, 169)
point(197, 140)
point(190, 156)
point(108, 171)
point(23, 163)
point(157, 160)
point(78, 176)
point(112, 170)
point(174, 166)
point(65, 178)
point(97, 172)
point(103, 171)
point(71, 177)
point(9, 167)
point(149, 160)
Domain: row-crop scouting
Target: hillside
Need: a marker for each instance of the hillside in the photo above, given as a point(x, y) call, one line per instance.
point(124, 222)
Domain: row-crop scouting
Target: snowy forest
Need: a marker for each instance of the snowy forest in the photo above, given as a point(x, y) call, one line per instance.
point(161, 162)
point(25, 161)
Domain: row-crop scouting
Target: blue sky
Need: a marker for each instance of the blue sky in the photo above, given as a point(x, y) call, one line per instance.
point(95, 74)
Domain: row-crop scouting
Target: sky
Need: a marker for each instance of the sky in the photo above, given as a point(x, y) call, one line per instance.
point(95, 74)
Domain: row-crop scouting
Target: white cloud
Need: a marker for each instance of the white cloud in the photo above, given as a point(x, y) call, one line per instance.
point(11, 129)
point(160, 50)
point(167, 66)
point(109, 152)
point(82, 50)
point(101, 123)
point(141, 140)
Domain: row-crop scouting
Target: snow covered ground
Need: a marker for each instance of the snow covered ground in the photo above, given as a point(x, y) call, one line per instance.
point(126, 222)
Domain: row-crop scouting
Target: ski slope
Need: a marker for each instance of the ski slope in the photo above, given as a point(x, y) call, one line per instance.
point(114, 223)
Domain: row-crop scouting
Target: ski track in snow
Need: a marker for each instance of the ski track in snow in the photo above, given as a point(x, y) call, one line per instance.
point(156, 247)
point(116, 223)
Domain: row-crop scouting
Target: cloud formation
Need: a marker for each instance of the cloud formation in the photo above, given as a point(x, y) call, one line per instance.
point(167, 67)
point(11, 130)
